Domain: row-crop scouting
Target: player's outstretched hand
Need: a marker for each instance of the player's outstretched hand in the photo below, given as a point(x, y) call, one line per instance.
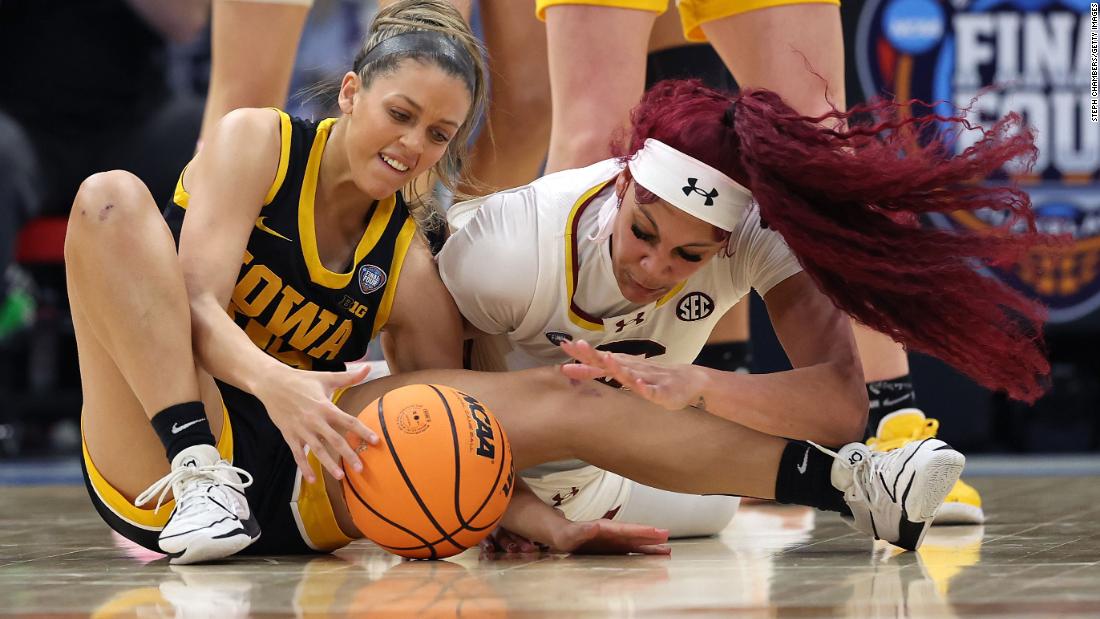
point(607, 537)
point(674, 386)
point(594, 537)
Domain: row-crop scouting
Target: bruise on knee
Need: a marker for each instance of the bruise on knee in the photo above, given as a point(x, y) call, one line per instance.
point(104, 212)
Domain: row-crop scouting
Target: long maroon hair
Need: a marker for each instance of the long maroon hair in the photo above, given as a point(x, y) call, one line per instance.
point(845, 200)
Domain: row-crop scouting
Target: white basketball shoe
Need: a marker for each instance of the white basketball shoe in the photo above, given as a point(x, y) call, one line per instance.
point(212, 519)
point(894, 495)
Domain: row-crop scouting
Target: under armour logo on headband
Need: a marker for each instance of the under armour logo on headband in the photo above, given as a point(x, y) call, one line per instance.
point(662, 170)
point(691, 188)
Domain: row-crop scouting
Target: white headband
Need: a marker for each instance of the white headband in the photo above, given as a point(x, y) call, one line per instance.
point(690, 185)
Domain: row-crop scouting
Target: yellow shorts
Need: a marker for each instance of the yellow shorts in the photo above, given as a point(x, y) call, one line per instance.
point(693, 13)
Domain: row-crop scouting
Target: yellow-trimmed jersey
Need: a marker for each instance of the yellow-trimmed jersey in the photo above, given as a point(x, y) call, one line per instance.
point(290, 305)
point(528, 264)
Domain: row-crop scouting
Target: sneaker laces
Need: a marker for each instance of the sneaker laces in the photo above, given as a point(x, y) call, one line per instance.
point(211, 474)
point(864, 473)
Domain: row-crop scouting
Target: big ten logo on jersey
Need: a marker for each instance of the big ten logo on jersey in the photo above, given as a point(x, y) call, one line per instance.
point(314, 333)
point(483, 429)
point(354, 307)
point(694, 306)
point(998, 56)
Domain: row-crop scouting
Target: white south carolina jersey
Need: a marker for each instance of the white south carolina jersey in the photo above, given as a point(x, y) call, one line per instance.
point(522, 263)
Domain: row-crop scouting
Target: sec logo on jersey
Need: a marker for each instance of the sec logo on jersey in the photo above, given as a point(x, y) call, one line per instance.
point(694, 306)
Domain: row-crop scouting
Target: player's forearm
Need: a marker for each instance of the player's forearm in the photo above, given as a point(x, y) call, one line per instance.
point(825, 403)
point(224, 350)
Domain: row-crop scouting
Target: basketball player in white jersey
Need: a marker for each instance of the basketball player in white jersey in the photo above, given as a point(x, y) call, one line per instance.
point(537, 266)
point(627, 264)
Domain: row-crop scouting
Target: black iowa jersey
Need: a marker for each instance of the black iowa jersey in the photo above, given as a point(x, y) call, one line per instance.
point(288, 303)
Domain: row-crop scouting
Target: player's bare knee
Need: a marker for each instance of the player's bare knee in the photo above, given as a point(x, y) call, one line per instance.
point(104, 200)
point(108, 196)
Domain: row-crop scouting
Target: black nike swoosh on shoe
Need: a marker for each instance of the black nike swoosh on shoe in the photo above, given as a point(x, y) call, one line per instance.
point(232, 513)
point(909, 532)
point(201, 528)
point(886, 488)
point(233, 533)
point(229, 511)
point(893, 495)
point(251, 524)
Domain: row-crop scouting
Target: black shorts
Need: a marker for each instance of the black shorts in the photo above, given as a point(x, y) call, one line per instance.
point(295, 517)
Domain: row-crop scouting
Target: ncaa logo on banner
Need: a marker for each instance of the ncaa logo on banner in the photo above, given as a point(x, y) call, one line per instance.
point(1026, 56)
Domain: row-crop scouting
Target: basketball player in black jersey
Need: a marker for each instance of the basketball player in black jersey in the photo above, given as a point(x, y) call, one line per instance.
point(295, 248)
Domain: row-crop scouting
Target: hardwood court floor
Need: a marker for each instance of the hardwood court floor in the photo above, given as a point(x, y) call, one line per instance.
point(1038, 556)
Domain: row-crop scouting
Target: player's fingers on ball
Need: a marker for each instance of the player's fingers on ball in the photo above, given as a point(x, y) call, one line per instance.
point(301, 460)
point(346, 452)
point(340, 450)
point(336, 436)
point(352, 424)
point(327, 458)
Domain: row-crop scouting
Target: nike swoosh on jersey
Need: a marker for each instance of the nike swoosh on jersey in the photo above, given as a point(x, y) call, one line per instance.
point(262, 227)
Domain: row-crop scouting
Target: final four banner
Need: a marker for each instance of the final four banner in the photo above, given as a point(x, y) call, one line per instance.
point(1036, 57)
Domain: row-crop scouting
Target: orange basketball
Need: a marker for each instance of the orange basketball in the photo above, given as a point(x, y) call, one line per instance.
point(439, 480)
